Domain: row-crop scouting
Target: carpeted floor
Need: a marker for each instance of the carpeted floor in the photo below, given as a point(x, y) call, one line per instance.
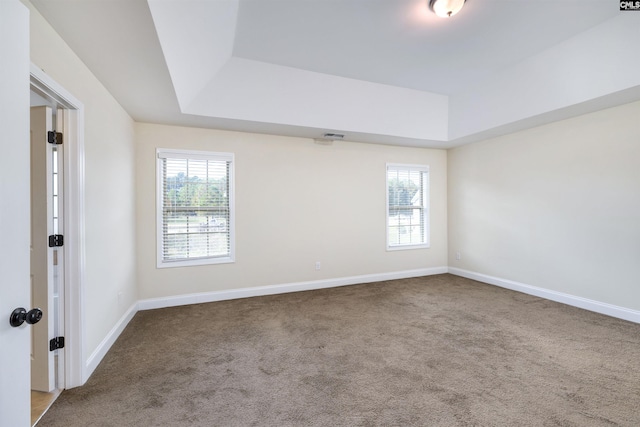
point(432, 351)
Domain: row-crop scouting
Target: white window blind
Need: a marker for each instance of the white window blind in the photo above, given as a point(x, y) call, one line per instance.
point(195, 208)
point(407, 206)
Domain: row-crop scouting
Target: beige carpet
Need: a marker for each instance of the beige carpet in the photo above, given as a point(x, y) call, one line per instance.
point(432, 351)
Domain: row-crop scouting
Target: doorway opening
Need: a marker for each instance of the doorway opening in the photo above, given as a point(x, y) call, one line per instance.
point(47, 259)
point(57, 242)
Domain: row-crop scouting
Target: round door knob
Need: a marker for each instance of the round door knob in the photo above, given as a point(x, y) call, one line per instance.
point(33, 316)
point(20, 315)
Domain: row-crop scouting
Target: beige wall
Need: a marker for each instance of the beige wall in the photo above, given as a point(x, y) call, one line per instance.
point(109, 176)
point(555, 207)
point(296, 203)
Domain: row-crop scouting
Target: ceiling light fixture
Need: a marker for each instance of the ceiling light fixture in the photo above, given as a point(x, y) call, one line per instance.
point(446, 8)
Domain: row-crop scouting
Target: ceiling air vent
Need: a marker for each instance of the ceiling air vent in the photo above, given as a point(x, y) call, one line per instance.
point(328, 138)
point(333, 136)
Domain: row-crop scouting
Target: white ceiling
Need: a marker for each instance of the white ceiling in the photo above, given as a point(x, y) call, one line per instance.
point(385, 71)
point(401, 43)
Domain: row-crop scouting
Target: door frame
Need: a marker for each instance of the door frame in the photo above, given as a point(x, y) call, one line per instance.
point(74, 224)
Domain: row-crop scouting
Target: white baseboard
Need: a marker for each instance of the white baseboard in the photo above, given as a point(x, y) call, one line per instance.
point(102, 349)
point(580, 302)
point(152, 303)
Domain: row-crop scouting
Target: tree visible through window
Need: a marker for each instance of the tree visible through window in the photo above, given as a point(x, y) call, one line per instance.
point(407, 206)
point(195, 204)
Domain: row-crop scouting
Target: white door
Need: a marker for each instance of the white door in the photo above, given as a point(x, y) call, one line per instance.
point(44, 203)
point(14, 212)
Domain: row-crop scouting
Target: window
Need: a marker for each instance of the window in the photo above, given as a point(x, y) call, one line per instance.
point(407, 206)
point(195, 208)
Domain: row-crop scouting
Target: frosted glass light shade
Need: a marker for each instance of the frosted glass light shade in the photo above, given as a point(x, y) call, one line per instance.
point(446, 8)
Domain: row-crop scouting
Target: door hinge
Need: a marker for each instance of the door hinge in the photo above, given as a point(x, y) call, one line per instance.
point(56, 240)
point(56, 343)
point(54, 137)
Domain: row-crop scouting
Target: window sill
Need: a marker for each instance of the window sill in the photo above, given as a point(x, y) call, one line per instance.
point(195, 262)
point(407, 247)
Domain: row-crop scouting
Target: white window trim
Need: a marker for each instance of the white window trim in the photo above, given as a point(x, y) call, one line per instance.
point(196, 155)
point(427, 207)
